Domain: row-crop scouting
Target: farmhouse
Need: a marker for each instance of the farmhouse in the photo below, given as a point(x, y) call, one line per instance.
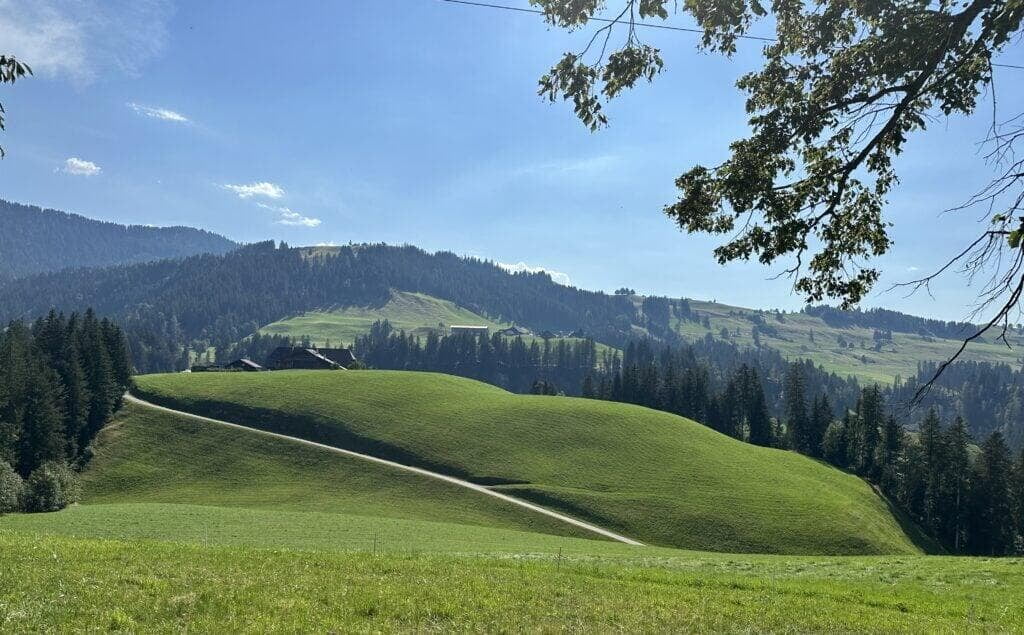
point(244, 364)
point(341, 356)
point(455, 329)
point(289, 357)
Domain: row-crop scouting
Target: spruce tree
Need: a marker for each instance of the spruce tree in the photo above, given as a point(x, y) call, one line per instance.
point(759, 423)
point(42, 437)
point(821, 418)
point(990, 531)
point(888, 460)
point(798, 423)
point(956, 473)
point(932, 444)
point(870, 418)
point(1018, 500)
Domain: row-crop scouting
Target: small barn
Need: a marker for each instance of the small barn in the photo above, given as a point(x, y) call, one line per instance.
point(341, 356)
point(287, 357)
point(244, 364)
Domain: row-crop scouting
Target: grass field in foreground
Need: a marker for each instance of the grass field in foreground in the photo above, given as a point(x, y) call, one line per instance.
point(650, 475)
point(148, 456)
point(75, 584)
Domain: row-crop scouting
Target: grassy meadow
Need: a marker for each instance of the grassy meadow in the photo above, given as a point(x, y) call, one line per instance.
point(412, 312)
point(649, 475)
point(142, 585)
point(795, 331)
point(191, 526)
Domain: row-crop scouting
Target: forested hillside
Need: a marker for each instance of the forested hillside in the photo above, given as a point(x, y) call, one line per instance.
point(37, 240)
point(208, 300)
point(173, 308)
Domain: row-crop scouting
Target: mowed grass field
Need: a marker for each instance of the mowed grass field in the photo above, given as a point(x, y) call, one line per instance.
point(412, 312)
point(652, 476)
point(898, 358)
point(74, 584)
point(191, 526)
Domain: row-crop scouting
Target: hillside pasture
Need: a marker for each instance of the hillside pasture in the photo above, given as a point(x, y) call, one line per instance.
point(649, 475)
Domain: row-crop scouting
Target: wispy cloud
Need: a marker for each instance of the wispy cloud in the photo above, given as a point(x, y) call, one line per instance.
point(576, 165)
point(288, 216)
point(913, 268)
point(81, 167)
point(262, 188)
point(83, 39)
point(158, 113)
point(556, 276)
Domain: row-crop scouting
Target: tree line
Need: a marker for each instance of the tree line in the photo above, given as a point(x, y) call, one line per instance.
point(61, 378)
point(971, 505)
point(968, 505)
point(512, 363)
point(966, 499)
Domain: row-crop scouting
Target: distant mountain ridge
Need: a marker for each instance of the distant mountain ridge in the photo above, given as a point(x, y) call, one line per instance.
point(36, 240)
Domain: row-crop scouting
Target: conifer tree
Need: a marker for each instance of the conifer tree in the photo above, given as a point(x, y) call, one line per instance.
point(990, 531)
point(888, 460)
point(42, 437)
point(798, 422)
point(759, 423)
point(869, 420)
point(930, 438)
point(956, 472)
point(1018, 500)
point(821, 418)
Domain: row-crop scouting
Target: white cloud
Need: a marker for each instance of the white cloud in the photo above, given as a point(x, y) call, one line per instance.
point(912, 269)
point(263, 188)
point(83, 39)
point(288, 216)
point(81, 167)
point(557, 276)
point(158, 113)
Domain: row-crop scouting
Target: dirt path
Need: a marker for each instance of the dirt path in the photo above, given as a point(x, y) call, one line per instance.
point(408, 468)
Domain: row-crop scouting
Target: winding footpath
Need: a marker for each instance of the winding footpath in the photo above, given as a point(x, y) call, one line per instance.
point(408, 468)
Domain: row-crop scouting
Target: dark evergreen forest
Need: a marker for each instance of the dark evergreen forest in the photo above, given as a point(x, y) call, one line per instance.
point(36, 240)
point(60, 381)
point(168, 307)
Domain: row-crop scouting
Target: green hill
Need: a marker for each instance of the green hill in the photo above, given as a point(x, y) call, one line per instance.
point(849, 350)
point(412, 312)
point(652, 476)
point(192, 526)
point(148, 456)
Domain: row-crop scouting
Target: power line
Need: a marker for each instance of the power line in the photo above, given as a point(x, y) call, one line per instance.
point(606, 20)
point(665, 27)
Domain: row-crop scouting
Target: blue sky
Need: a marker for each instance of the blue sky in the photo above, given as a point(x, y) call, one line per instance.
point(416, 121)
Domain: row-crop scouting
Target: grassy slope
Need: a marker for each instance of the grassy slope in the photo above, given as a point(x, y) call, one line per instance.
point(900, 357)
point(147, 456)
point(50, 582)
point(413, 312)
point(654, 476)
